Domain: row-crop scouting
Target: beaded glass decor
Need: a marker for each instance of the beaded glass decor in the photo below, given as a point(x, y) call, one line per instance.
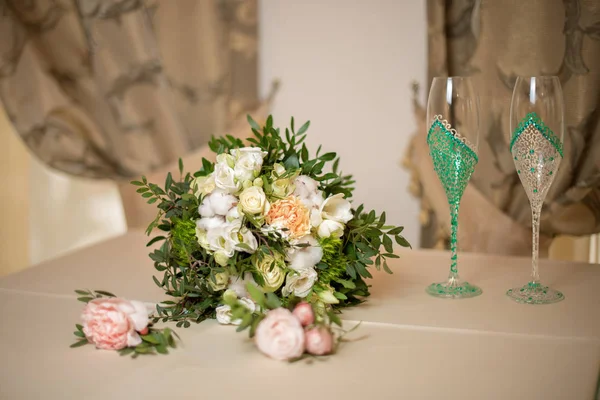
point(454, 159)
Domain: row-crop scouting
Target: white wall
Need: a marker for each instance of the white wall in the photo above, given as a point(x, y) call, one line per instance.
point(347, 65)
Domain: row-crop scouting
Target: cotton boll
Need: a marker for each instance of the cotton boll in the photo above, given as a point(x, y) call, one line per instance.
point(207, 224)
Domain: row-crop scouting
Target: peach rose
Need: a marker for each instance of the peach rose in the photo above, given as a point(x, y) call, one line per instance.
point(290, 214)
point(114, 323)
point(319, 341)
point(280, 335)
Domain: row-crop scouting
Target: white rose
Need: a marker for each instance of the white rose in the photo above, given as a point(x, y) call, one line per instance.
point(238, 234)
point(248, 162)
point(204, 185)
point(216, 203)
point(300, 282)
point(225, 179)
point(220, 242)
point(254, 201)
point(305, 257)
point(248, 303)
point(329, 228)
point(220, 282)
point(280, 335)
point(238, 284)
point(224, 314)
point(336, 208)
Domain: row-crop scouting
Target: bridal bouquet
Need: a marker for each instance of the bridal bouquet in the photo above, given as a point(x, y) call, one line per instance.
point(266, 239)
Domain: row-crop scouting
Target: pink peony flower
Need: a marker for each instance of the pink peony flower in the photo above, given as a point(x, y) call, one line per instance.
point(304, 312)
point(114, 323)
point(280, 335)
point(319, 341)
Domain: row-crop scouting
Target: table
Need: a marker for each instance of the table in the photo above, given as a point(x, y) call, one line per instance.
point(410, 345)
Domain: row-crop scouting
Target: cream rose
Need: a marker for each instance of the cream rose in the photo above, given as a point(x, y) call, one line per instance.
point(254, 201)
point(204, 185)
point(114, 323)
point(270, 270)
point(220, 282)
point(300, 282)
point(290, 217)
point(280, 335)
point(329, 228)
point(282, 187)
point(248, 162)
point(336, 208)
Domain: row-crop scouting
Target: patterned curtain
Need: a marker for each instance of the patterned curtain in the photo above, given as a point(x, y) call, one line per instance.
point(117, 88)
point(494, 42)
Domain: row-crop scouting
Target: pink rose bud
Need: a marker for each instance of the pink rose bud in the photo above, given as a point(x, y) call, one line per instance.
point(304, 313)
point(114, 323)
point(319, 341)
point(144, 331)
point(280, 335)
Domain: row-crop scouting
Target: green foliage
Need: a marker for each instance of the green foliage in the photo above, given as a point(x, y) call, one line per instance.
point(183, 239)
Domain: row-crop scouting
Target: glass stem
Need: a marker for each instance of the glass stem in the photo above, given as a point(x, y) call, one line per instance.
point(536, 211)
point(453, 276)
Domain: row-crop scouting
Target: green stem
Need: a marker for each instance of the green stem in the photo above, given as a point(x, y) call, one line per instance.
point(454, 241)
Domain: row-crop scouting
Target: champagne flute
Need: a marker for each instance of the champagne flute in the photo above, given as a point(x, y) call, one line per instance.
point(453, 117)
point(536, 144)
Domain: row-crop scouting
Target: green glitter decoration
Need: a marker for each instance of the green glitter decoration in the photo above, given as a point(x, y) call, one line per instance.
point(454, 162)
point(533, 119)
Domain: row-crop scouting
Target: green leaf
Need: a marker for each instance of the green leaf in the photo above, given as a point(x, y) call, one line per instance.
point(388, 244)
point(347, 284)
point(137, 183)
point(79, 343)
point(79, 327)
point(79, 334)
point(168, 182)
point(396, 231)
point(147, 194)
point(142, 190)
point(252, 123)
point(180, 166)
point(105, 293)
point(256, 294)
point(150, 339)
point(303, 128)
point(386, 268)
point(292, 162)
point(85, 299)
point(402, 242)
point(272, 302)
point(154, 240)
point(327, 156)
point(126, 351)
point(82, 292)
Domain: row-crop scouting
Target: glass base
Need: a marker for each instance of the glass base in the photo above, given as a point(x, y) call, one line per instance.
point(535, 293)
point(453, 290)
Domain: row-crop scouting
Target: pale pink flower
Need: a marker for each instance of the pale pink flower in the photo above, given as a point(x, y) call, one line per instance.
point(114, 323)
point(319, 341)
point(280, 335)
point(304, 312)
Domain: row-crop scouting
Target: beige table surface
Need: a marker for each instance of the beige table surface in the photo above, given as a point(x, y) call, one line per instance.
point(413, 346)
